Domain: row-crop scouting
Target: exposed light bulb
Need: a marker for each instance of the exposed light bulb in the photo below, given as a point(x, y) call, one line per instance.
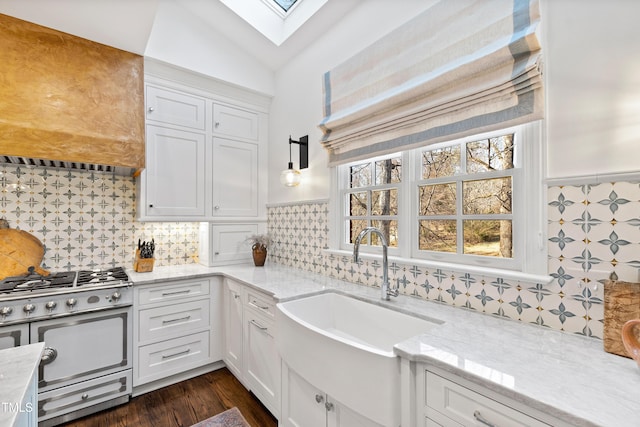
point(290, 177)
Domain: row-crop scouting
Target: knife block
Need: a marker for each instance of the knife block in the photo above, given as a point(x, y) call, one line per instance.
point(621, 303)
point(143, 265)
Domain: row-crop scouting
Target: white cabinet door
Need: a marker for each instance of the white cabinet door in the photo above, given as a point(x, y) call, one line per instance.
point(224, 244)
point(340, 416)
point(302, 403)
point(235, 122)
point(263, 361)
point(235, 178)
point(175, 108)
point(175, 173)
point(233, 334)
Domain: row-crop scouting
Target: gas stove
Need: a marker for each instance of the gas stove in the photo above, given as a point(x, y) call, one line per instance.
point(68, 281)
point(34, 297)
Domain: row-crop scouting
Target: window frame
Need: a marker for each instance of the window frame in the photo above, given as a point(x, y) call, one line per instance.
point(529, 232)
point(345, 178)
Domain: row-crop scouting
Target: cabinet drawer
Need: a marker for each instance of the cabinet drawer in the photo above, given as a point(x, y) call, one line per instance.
point(174, 291)
point(467, 407)
point(173, 356)
point(261, 303)
point(173, 320)
point(81, 395)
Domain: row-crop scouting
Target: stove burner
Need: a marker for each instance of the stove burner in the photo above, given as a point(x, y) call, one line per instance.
point(101, 276)
point(35, 281)
point(33, 284)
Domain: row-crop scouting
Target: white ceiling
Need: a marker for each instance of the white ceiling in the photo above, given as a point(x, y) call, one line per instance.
point(127, 24)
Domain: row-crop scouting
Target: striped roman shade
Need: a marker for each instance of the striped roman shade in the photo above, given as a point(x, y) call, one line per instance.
point(460, 68)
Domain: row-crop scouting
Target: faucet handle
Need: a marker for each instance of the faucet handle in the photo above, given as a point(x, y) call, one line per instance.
point(393, 292)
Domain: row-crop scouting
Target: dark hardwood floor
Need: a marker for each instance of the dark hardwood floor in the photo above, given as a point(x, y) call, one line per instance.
point(184, 404)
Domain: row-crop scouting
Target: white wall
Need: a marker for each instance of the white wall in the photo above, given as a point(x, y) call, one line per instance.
point(592, 77)
point(297, 106)
point(592, 72)
point(182, 38)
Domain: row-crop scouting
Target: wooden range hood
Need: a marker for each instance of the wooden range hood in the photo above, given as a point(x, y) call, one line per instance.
point(68, 102)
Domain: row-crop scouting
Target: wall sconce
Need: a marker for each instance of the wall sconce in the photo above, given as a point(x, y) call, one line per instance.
point(291, 177)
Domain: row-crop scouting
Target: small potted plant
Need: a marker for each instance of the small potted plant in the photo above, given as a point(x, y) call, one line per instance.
point(259, 244)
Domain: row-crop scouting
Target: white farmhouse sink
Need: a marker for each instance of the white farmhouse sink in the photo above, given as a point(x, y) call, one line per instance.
point(344, 347)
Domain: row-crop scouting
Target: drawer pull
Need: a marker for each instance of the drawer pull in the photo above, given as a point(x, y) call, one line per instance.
point(164, 322)
point(258, 325)
point(169, 356)
point(478, 416)
point(166, 294)
point(255, 304)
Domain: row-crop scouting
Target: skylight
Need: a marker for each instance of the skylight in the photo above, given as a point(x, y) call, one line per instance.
point(285, 4)
point(277, 20)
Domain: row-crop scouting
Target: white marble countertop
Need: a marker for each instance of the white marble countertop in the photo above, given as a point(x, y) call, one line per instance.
point(17, 366)
point(564, 375)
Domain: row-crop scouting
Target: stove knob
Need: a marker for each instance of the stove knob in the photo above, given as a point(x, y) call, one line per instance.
point(29, 308)
point(71, 302)
point(51, 305)
point(6, 311)
point(115, 296)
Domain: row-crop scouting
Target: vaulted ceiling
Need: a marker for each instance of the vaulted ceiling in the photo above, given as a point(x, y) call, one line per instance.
point(127, 24)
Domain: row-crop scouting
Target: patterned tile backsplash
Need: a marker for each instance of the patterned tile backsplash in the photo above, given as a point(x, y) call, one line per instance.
point(593, 231)
point(87, 220)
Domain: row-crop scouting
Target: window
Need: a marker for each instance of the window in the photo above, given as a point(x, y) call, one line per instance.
point(465, 198)
point(472, 201)
point(371, 199)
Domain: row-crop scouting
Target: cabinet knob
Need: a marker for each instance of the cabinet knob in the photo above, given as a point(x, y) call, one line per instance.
point(328, 406)
point(319, 398)
point(216, 208)
point(151, 109)
point(151, 205)
point(216, 253)
point(217, 124)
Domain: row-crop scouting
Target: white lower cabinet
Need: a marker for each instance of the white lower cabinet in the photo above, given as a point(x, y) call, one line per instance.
point(233, 352)
point(176, 328)
point(249, 342)
point(449, 401)
point(304, 405)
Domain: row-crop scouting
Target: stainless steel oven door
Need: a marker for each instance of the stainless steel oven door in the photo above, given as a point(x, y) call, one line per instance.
point(14, 335)
point(82, 347)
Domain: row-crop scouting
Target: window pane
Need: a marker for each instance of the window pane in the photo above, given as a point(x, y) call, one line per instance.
point(360, 175)
point(441, 162)
point(388, 171)
point(490, 154)
point(384, 202)
point(488, 238)
point(390, 230)
point(438, 199)
point(487, 196)
point(358, 203)
point(355, 227)
point(437, 235)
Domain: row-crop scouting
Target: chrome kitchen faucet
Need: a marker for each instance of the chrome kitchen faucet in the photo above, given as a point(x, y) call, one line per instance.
point(385, 289)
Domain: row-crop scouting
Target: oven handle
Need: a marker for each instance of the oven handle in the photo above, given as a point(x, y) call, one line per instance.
point(48, 355)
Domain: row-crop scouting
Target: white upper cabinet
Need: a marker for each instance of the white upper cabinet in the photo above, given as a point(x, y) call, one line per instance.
point(206, 152)
point(235, 122)
point(175, 108)
point(235, 173)
point(175, 173)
